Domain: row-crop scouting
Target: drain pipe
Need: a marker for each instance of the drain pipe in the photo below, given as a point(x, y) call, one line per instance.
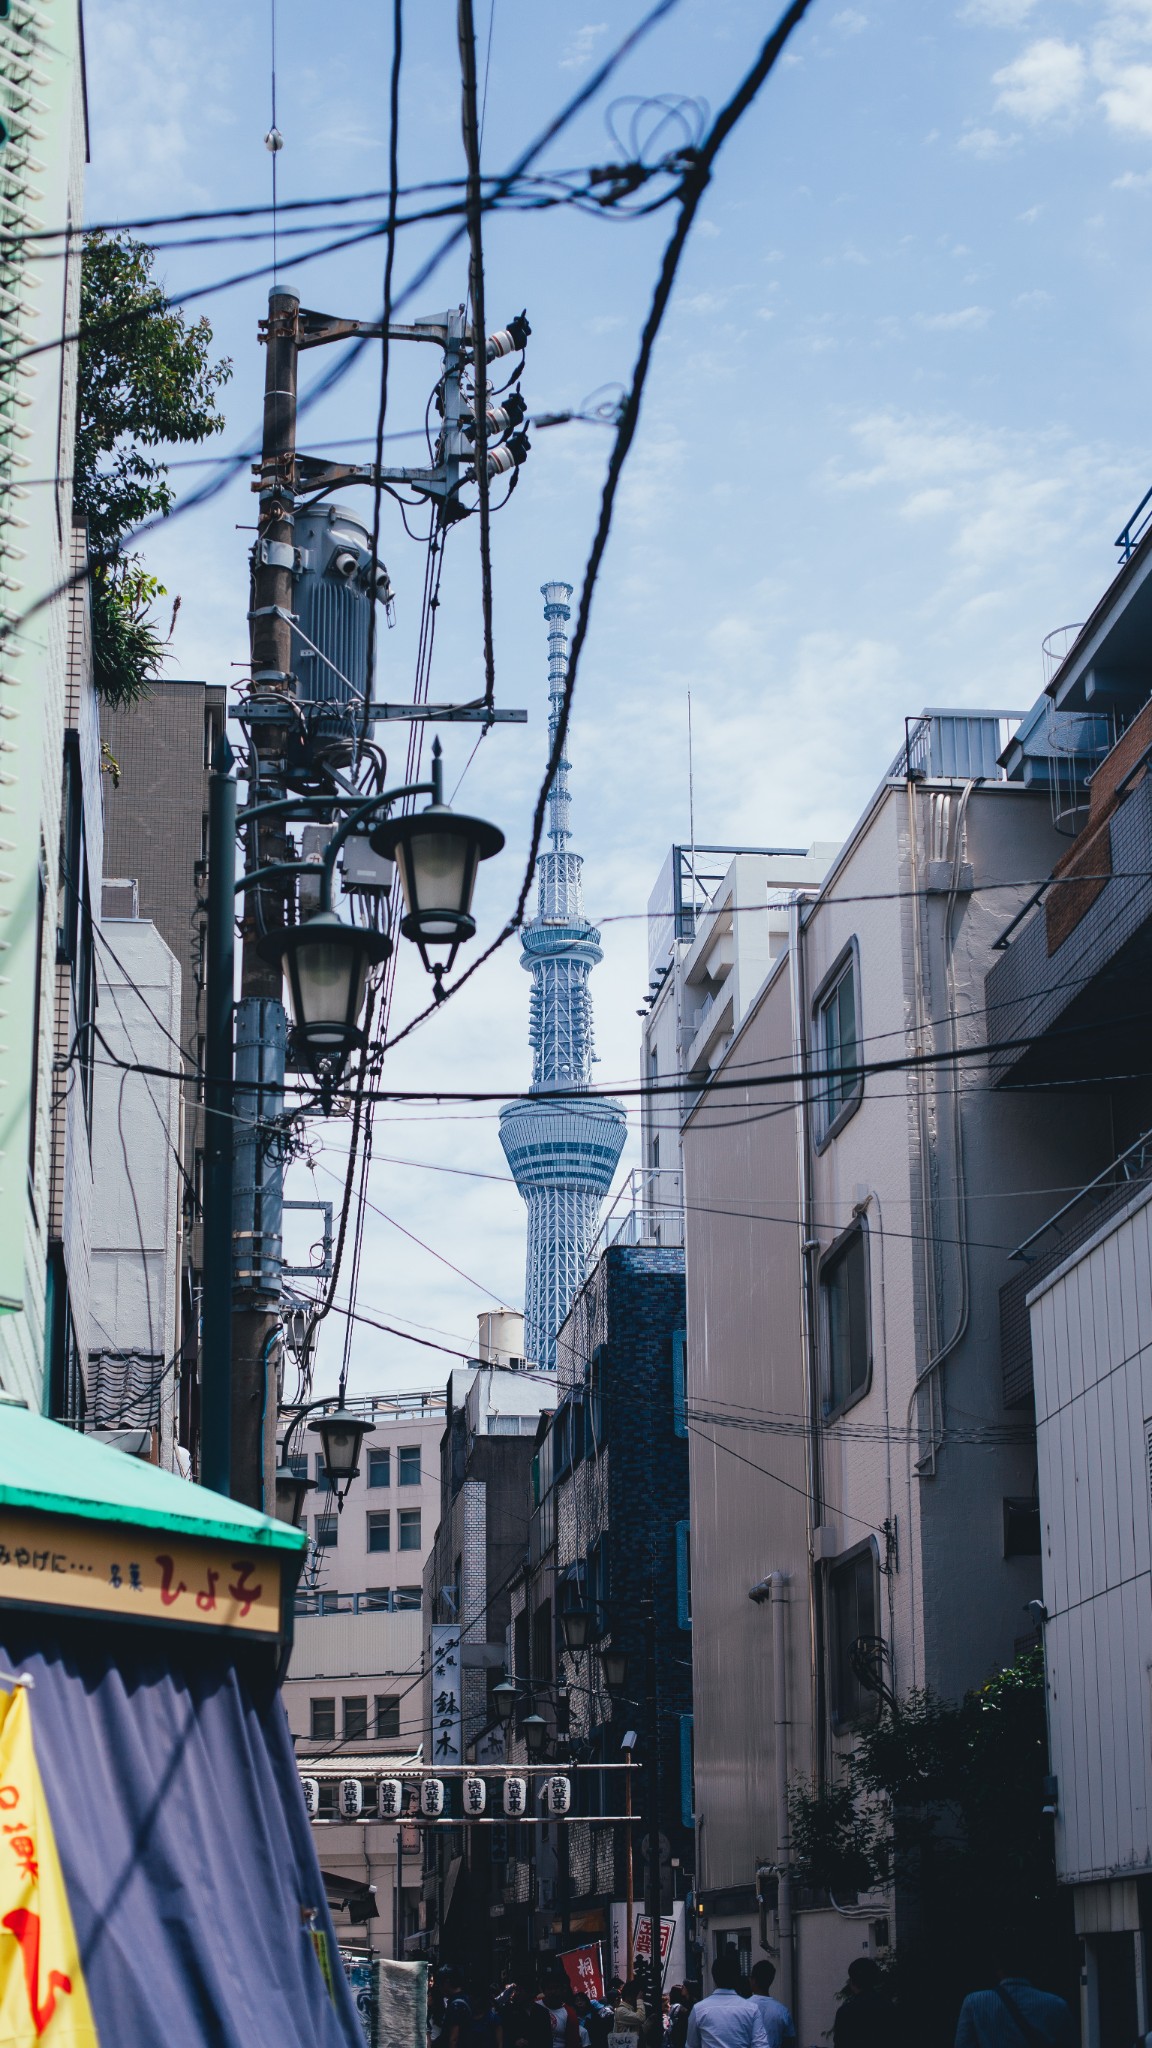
point(775, 1590)
point(809, 1245)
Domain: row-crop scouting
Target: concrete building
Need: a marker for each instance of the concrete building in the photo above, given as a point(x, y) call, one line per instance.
point(717, 919)
point(847, 1233)
point(608, 1535)
point(155, 867)
point(41, 188)
point(1067, 1002)
point(486, 1457)
point(354, 1692)
point(135, 1240)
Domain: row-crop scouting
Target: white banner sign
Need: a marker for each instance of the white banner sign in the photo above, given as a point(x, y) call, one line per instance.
point(447, 1722)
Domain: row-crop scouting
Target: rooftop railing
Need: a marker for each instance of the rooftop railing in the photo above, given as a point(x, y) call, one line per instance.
point(648, 1210)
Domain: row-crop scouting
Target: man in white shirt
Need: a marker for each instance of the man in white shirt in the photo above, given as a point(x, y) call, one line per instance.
point(725, 2020)
point(778, 2022)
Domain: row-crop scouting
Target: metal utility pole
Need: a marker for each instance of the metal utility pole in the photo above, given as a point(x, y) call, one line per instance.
point(216, 1375)
point(653, 1900)
point(261, 1024)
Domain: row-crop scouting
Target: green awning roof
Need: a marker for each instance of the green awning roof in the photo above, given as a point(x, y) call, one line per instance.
point(58, 1471)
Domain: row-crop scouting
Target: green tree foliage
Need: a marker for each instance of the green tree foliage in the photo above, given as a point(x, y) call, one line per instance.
point(944, 1802)
point(146, 382)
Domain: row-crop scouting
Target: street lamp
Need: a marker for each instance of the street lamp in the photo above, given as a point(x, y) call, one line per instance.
point(504, 1698)
point(341, 1435)
point(535, 1731)
point(326, 964)
point(577, 1624)
point(437, 852)
point(614, 1664)
point(291, 1487)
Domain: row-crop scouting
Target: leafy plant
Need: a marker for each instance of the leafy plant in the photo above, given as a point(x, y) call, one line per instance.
point(146, 382)
point(944, 1802)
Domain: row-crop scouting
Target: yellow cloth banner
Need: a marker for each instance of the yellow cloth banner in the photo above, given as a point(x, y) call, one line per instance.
point(43, 1996)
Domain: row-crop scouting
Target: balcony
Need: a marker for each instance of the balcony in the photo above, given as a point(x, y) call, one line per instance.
point(1048, 1248)
point(648, 1210)
point(1067, 1002)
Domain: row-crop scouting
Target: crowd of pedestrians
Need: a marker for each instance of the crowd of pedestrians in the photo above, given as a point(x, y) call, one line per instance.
point(739, 2012)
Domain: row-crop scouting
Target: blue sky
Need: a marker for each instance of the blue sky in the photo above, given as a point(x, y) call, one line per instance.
point(898, 412)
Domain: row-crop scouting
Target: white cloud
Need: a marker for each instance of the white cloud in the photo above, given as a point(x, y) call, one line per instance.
point(578, 50)
point(986, 142)
point(1127, 101)
point(965, 319)
point(1132, 181)
point(850, 21)
point(997, 13)
point(1031, 215)
point(1045, 80)
point(1026, 301)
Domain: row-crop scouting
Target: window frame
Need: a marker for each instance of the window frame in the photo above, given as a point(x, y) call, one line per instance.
point(848, 1724)
point(331, 1538)
point(847, 962)
point(836, 1252)
point(683, 1575)
point(375, 1520)
point(386, 1707)
point(379, 1460)
point(320, 1734)
point(403, 1514)
point(354, 1701)
point(408, 1452)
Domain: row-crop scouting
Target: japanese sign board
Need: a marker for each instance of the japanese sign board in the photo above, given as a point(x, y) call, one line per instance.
point(584, 1969)
point(447, 1720)
point(136, 1574)
point(642, 1940)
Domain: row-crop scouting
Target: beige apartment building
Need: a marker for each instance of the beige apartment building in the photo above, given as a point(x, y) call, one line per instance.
point(862, 1500)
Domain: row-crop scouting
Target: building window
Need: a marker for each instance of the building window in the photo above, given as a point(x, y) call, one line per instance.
point(379, 1468)
point(738, 1942)
point(378, 1599)
point(561, 1435)
point(406, 1598)
point(409, 1520)
point(687, 1772)
point(323, 1720)
point(542, 1642)
point(327, 1532)
point(683, 1576)
point(323, 1483)
point(840, 1082)
point(387, 1714)
point(846, 1332)
point(408, 1465)
point(1022, 1528)
point(380, 1531)
point(679, 1383)
point(327, 1807)
point(599, 1586)
point(298, 1464)
point(356, 1718)
point(853, 1611)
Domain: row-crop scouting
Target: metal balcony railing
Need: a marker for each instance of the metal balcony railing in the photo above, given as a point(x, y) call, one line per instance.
point(648, 1210)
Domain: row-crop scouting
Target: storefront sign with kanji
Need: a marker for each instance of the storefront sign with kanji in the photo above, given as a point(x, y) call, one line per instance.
point(136, 1574)
point(447, 1732)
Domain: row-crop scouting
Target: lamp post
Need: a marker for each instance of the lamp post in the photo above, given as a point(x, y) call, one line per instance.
point(326, 964)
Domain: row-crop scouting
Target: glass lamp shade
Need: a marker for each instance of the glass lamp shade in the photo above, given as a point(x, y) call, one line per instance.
point(325, 964)
point(437, 852)
point(341, 1436)
point(614, 1664)
point(576, 1623)
point(291, 1488)
point(504, 1698)
point(535, 1731)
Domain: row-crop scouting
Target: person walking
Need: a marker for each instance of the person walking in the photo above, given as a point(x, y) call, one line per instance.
point(629, 2014)
point(1014, 2014)
point(778, 2022)
point(724, 2019)
point(524, 2022)
point(683, 1999)
point(866, 2019)
point(556, 1998)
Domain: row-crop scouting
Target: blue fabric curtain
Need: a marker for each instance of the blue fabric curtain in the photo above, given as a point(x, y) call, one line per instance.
point(191, 1869)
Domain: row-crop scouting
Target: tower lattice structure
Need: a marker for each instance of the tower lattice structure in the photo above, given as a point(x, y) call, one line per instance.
point(562, 1151)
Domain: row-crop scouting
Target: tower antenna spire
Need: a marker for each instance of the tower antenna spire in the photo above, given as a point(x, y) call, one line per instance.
point(563, 1152)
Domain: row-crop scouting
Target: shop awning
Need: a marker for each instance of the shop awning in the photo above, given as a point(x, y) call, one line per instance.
point(86, 1530)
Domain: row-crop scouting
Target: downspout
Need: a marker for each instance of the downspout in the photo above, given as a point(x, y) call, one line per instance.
point(778, 1586)
point(809, 1245)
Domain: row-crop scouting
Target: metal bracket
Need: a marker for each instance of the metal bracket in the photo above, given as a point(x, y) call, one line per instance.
point(279, 554)
point(324, 1270)
point(452, 714)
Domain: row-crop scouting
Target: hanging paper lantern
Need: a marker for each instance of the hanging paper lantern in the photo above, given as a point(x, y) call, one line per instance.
point(391, 1798)
point(351, 1798)
point(475, 1795)
point(432, 1798)
point(515, 1796)
point(311, 1789)
point(558, 1795)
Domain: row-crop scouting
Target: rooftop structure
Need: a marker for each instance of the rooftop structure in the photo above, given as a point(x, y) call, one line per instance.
point(563, 1150)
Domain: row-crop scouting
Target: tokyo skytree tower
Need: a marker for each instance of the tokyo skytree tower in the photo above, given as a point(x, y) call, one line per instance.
point(563, 1152)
